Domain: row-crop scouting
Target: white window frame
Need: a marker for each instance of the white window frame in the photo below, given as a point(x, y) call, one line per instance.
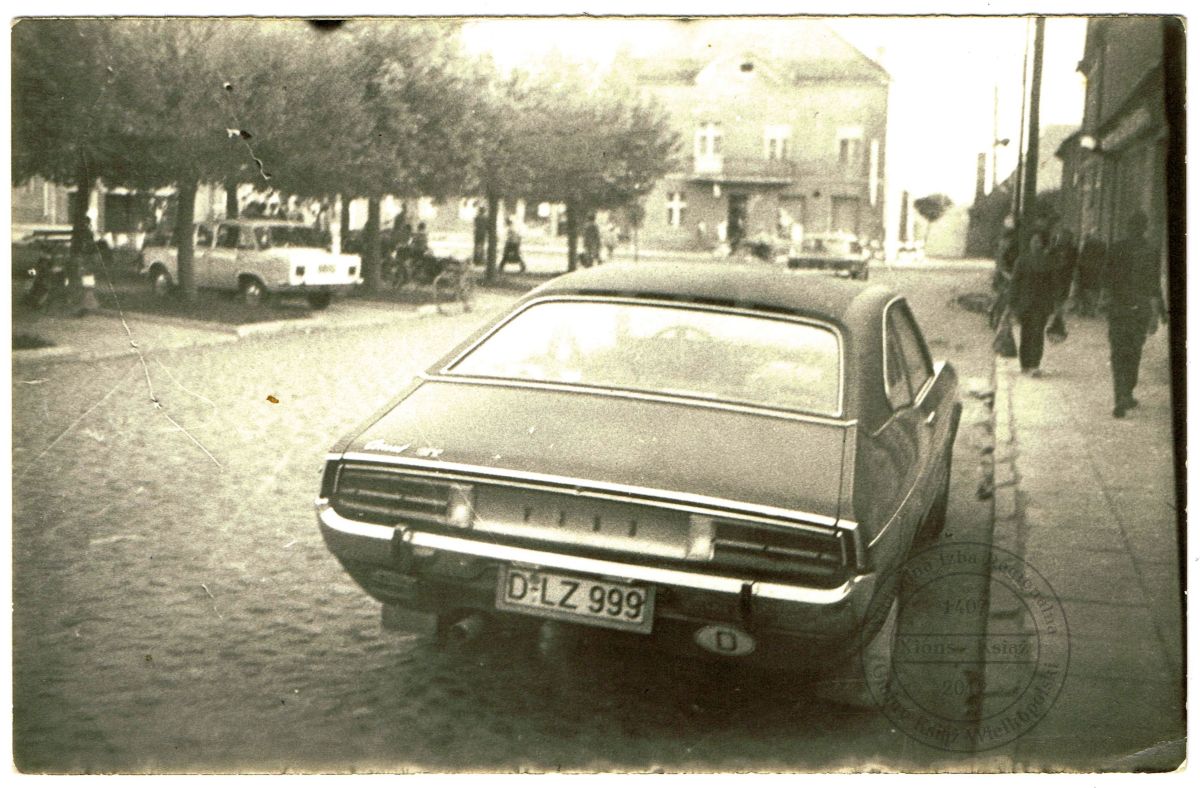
point(780, 134)
point(676, 205)
point(707, 140)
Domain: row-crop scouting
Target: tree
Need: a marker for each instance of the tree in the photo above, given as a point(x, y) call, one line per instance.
point(401, 125)
point(932, 208)
point(503, 169)
point(592, 144)
point(175, 79)
point(63, 123)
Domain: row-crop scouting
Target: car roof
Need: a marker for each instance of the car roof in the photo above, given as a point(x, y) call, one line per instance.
point(814, 295)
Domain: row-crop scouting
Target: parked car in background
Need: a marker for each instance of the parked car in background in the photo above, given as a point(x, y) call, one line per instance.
point(36, 246)
point(710, 456)
point(259, 258)
point(838, 252)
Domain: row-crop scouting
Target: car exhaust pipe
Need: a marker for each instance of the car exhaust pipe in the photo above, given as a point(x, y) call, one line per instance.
point(466, 629)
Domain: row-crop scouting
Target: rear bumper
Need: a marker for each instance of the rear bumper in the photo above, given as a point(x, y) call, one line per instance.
point(427, 571)
point(304, 289)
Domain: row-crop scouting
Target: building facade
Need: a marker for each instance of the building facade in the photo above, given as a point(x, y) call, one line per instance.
point(1119, 166)
point(781, 137)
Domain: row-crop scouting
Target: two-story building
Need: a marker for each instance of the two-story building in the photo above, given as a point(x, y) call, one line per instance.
point(1116, 164)
point(784, 134)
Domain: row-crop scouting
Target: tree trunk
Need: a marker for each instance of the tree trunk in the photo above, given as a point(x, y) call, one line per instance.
point(572, 234)
point(372, 275)
point(344, 219)
point(493, 204)
point(184, 221)
point(231, 199)
point(83, 243)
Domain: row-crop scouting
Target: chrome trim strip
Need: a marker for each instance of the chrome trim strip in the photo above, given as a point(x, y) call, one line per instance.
point(580, 487)
point(345, 525)
point(595, 566)
point(648, 574)
point(673, 399)
point(841, 398)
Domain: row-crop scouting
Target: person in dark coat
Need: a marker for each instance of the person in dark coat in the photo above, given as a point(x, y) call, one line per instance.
point(591, 242)
point(1031, 299)
point(512, 247)
point(1135, 305)
point(1090, 270)
point(481, 234)
point(1062, 262)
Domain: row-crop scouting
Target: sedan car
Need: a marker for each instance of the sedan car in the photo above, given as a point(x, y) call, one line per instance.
point(837, 252)
point(708, 456)
point(258, 258)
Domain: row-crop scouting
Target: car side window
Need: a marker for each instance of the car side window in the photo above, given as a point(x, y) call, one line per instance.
point(204, 236)
point(912, 347)
point(898, 393)
point(227, 236)
point(246, 239)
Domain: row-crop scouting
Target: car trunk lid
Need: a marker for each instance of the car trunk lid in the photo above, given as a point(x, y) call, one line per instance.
point(642, 445)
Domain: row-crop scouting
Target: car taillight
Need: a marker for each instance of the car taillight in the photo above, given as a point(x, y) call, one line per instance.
point(353, 270)
point(779, 550)
point(381, 495)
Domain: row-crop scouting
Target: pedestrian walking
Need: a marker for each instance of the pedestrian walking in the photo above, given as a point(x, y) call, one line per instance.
point(1135, 305)
point(512, 247)
point(479, 256)
point(1062, 263)
point(1007, 249)
point(591, 242)
point(611, 238)
point(1090, 273)
point(1031, 299)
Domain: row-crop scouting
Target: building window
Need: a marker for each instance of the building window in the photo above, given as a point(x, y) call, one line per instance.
point(850, 148)
point(775, 141)
point(675, 209)
point(708, 140)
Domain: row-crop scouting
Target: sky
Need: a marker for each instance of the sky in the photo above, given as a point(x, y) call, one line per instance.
point(943, 72)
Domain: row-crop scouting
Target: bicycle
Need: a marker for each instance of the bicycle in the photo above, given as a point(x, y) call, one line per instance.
point(456, 282)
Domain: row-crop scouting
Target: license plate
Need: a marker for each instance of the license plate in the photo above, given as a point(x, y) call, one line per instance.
point(327, 268)
point(601, 603)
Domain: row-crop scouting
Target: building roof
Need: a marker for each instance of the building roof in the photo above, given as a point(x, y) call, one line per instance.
point(799, 50)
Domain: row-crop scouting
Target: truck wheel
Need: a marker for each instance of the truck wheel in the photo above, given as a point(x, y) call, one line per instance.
point(160, 282)
point(319, 300)
point(252, 292)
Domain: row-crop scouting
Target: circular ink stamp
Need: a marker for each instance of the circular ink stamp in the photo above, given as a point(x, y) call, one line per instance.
point(979, 647)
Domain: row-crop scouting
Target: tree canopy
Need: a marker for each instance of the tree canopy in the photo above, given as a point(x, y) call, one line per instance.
point(364, 108)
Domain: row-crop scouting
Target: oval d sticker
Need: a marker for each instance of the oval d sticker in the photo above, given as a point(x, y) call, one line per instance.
point(728, 641)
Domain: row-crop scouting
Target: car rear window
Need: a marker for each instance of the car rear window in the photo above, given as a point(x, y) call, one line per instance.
point(725, 356)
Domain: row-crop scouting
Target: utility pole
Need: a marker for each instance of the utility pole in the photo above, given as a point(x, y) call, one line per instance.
point(1029, 200)
point(995, 130)
point(1018, 181)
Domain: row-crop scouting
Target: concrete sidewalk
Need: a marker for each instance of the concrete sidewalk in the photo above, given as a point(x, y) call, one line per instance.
point(1088, 501)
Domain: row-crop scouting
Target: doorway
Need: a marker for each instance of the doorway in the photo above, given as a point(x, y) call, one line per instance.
point(736, 219)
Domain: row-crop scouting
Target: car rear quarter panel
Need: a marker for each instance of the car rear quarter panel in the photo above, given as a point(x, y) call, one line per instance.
point(899, 471)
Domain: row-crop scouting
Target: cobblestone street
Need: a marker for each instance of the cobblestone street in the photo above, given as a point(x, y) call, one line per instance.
point(175, 608)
